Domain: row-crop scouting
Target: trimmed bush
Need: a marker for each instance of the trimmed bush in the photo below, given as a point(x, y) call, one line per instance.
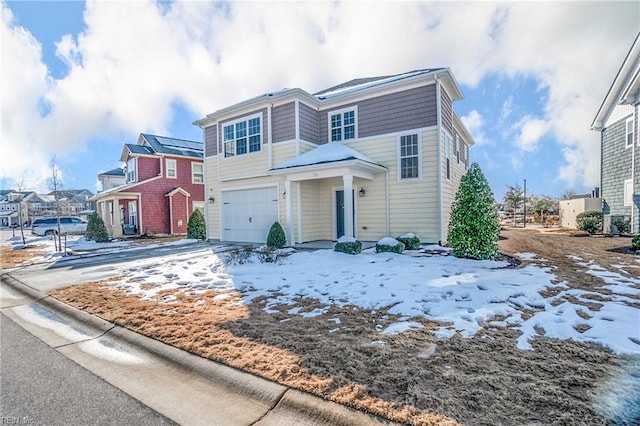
point(276, 237)
point(589, 221)
point(96, 231)
point(410, 241)
point(389, 244)
point(196, 228)
point(623, 226)
point(348, 245)
point(635, 242)
point(473, 228)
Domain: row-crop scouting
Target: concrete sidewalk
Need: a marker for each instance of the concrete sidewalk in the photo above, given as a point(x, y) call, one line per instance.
point(185, 388)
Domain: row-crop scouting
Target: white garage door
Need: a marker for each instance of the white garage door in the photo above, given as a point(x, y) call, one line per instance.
point(248, 214)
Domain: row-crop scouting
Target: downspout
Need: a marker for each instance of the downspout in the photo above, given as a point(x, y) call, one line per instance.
point(439, 153)
point(388, 206)
point(206, 185)
point(297, 124)
point(633, 164)
point(269, 137)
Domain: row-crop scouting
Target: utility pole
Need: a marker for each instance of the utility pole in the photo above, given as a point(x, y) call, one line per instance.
point(525, 204)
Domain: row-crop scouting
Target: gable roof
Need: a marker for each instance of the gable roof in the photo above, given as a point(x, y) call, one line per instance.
point(367, 86)
point(114, 172)
point(359, 84)
point(139, 149)
point(173, 146)
point(331, 152)
point(625, 89)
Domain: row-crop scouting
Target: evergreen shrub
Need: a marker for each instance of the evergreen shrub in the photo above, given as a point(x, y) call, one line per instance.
point(276, 237)
point(196, 227)
point(96, 231)
point(473, 227)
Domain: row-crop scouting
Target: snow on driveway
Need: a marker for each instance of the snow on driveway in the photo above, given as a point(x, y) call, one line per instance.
point(462, 294)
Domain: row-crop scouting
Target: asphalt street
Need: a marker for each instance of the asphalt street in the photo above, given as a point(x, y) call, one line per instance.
point(40, 386)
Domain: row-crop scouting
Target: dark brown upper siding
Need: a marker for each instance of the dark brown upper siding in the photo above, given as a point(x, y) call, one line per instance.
point(410, 109)
point(284, 122)
point(308, 124)
point(447, 111)
point(211, 141)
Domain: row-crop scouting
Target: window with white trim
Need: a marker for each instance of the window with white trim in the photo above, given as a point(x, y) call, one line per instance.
point(197, 173)
point(447, 153)
point(409, 156)
point(342, 125)
point(132, 213)
point(457, 149)
point(628, 193)
point(111, 213)
point(628, 132)
point(171, 168)
point(131, 170)
point(242, 137)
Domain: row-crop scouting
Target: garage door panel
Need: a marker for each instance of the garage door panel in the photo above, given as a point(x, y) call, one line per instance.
point(248, 214)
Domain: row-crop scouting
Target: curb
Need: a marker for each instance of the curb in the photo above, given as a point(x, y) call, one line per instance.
point(287, 406)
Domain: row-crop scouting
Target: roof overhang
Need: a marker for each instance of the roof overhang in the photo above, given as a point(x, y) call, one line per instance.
point(356, 168)
point(625, 89)
point(176, 191)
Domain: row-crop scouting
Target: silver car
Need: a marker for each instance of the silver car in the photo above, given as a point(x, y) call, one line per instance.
point(68, 225)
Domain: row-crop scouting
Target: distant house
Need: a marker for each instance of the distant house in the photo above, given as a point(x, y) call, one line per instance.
point(112, 179)
point(368, 158)
point(617, 122)
point(164, 183)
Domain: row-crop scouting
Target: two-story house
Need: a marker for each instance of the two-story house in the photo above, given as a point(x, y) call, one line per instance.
point(111, 179)
point(617, 122)
point(369, 158)
point(164, 183)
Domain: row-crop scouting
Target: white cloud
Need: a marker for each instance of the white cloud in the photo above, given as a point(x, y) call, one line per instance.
point(134, 60)
point(475, 123)
point(530, 131)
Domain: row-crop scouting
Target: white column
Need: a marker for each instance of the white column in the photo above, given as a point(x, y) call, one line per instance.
point(347, 181)
point(289, 202)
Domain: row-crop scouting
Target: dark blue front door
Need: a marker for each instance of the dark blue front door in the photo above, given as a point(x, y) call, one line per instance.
point(340, 212)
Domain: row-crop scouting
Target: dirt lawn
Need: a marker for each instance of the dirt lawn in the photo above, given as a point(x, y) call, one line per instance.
point(411, 377)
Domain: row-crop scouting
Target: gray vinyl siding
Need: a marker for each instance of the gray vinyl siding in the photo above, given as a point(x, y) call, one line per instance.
point(616, 168)
point(211, 141)
point(284, 122)
point(308, 124)
point(447, 111)
point(395, 112)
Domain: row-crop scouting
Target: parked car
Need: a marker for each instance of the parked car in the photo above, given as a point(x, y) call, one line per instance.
point(68, 225)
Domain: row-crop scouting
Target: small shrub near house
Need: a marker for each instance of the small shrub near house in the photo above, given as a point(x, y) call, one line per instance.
point(635, 242)
point(389, 244)
point(276, 237)
point(348, 245)
point(196, 228)
point(473, 228)
point(96, 231)
point(410, 241)
point(589, 221)
point(622, 226)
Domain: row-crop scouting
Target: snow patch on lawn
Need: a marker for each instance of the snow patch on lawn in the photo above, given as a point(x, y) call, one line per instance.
point(463, 295)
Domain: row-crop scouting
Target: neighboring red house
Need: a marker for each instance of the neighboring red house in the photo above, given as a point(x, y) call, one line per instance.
point(164, 184)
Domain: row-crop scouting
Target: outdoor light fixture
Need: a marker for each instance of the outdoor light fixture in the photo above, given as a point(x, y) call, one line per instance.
point(212, 200)
point(284, 195)
point(362, 192)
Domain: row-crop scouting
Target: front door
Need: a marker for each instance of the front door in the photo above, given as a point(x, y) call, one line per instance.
point(340, 212)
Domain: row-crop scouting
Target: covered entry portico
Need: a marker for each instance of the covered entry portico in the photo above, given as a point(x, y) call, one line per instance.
point(336, 169)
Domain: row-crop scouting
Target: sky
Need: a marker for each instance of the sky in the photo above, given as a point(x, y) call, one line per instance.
point(81, 79)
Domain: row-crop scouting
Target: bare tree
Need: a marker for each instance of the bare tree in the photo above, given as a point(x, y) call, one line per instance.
point(568, 194)
point(513, 199)
point(21, 189)
point(56, 184)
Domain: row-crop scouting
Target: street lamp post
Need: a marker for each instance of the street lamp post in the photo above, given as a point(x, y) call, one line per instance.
point(525, 204)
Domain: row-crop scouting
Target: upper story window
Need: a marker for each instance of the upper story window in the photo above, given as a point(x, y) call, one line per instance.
point(197, 173)
point(457, 149)
point(409, 157)
point(466, 156)
point(342, 125)
point(242, 137)
point(171, 168)
point(131, 170)
point(629, 132)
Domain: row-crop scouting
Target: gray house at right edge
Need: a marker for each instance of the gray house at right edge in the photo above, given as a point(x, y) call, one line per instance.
point(617, 122)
